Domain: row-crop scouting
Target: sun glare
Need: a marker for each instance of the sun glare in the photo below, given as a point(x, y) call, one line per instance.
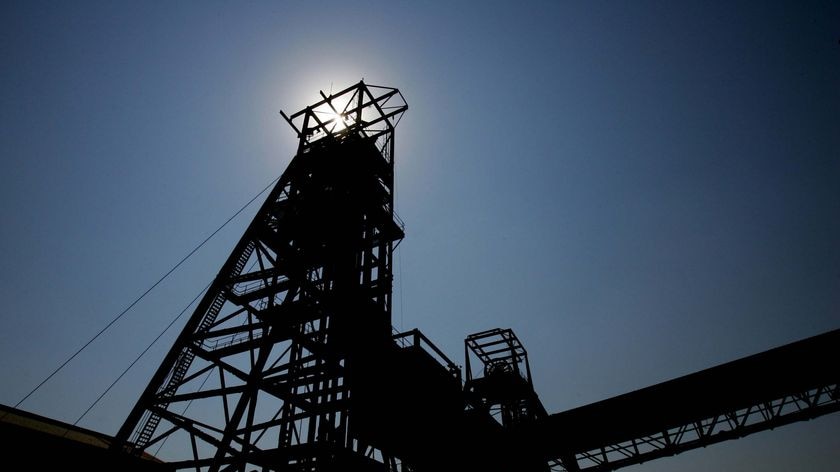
point(339, 121)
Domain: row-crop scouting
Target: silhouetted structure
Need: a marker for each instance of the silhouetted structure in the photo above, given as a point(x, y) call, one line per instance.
point(795, 382)
point(35, 442)
point(290, 362)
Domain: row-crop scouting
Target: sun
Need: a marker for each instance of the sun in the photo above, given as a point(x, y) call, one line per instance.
point(335, 121)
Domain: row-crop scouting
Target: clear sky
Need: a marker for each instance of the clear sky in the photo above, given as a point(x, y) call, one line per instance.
point(639, 189)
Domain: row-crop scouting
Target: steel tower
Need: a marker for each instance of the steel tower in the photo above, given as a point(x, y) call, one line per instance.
point(264, 372)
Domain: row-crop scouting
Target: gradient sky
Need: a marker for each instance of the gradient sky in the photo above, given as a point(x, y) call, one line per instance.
point(639, 189)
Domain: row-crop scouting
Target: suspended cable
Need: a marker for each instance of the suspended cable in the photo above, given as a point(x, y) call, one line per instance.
point(402, 298)
point(143, 295)
point(149, 347)
point(141, 355)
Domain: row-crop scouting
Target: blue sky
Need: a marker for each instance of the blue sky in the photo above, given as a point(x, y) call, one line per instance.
point(638, 190)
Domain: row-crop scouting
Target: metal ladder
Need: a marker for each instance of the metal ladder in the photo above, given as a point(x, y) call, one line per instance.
point(182, 365)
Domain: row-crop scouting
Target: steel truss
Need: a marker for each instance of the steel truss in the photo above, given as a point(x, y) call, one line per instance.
point(791, 383)
point(262, 373)
point(759, 417)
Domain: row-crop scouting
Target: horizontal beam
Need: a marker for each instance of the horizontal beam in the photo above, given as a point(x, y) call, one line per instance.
point(790, 383)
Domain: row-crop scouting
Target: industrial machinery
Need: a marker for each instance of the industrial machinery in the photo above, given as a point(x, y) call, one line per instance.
point(290, 362)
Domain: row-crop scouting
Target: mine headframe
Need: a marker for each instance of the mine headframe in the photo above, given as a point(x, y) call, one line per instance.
point(270, 371)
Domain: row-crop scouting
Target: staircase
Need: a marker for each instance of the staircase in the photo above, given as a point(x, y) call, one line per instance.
point(179, 371)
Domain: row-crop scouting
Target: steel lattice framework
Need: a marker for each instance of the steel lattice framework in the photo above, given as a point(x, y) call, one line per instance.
point(290, 363)
point(261, 374)
point(795, 382)
point(713, 429)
